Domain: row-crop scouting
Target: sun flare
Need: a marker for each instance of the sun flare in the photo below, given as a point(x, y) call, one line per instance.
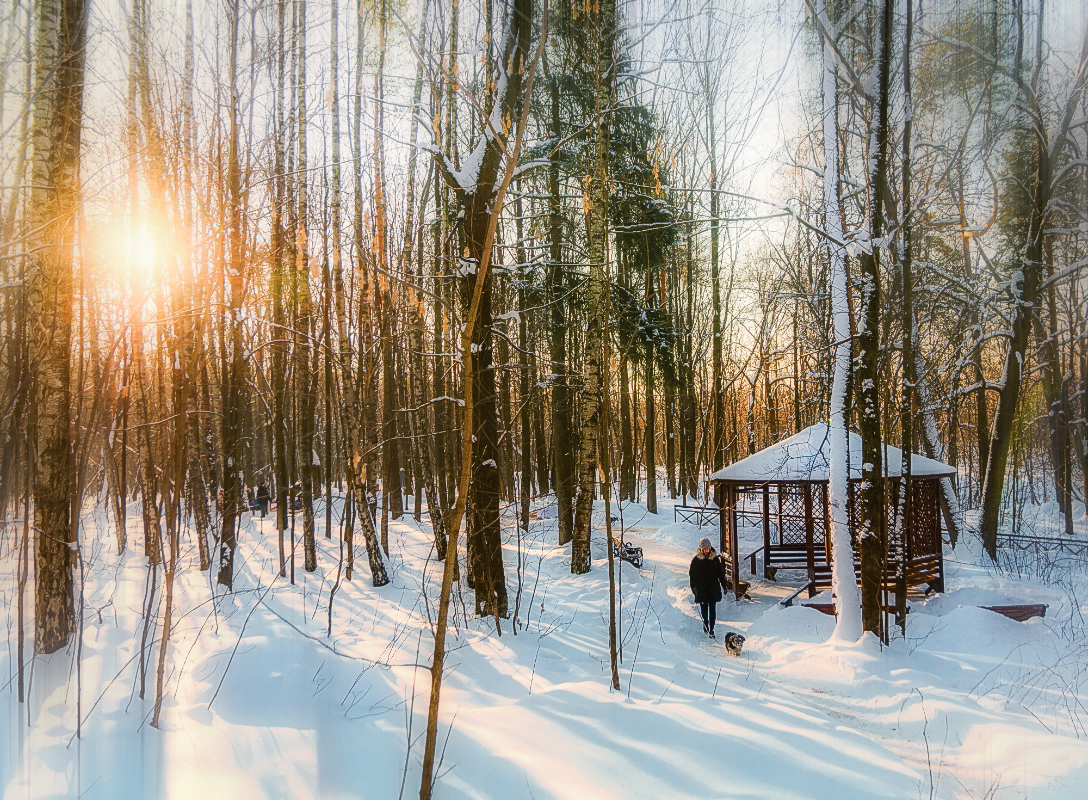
point(141, 249)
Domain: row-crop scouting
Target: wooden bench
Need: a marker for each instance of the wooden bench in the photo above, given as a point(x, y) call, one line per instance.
point(1020, 613)
point(788, 556)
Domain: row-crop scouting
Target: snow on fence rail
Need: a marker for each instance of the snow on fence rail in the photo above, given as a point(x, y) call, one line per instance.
point(1042, 544)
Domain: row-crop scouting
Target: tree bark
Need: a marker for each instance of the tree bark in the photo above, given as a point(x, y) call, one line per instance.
point(1026, 290)
point(517, 44)
point(596, 191)
point(563, 445)
point(843, 582)
point(55, 197)
point(233, 381)
point(305, 323)
point(351, 410)
point(873, 536)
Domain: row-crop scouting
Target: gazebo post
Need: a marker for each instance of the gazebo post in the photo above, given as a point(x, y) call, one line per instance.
point(809, 539)
point(825, 493)
point(720, 502)
point(766, 528)
point(939, 538)
point(739, 588)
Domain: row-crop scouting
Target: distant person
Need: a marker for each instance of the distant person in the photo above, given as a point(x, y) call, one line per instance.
point(707, 581)
point(263, 498)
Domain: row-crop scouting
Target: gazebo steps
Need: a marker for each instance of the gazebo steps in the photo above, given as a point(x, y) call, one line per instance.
point(829, 608)
point(923, 571)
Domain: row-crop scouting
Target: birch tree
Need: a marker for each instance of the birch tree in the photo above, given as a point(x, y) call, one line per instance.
point(55, 197)
point(844, 585)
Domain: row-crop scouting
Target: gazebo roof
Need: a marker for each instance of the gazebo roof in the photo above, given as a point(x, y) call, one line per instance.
point(805, 457)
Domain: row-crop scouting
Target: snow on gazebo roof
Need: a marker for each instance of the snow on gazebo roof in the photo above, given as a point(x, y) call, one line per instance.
point(805, 457)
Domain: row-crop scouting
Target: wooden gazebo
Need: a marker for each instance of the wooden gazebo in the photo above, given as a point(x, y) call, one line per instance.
point(785, 489)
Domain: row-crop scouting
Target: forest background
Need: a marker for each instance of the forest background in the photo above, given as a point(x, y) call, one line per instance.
point(477, 254)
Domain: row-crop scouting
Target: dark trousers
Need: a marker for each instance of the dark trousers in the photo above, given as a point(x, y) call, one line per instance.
point(264, 506)
point(709, 612)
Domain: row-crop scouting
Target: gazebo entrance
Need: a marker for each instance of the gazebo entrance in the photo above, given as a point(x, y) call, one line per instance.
point(784, 489)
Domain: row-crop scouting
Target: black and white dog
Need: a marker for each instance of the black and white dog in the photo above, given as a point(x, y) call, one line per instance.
point(734, 643)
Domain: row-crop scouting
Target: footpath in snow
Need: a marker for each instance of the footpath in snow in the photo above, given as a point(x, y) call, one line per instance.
point(262, 703)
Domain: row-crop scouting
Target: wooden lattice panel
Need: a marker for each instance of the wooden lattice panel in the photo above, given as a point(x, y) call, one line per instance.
point(791, 515)
point(925, 538)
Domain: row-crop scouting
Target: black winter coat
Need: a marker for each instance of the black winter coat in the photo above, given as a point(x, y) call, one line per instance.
point(707, 578)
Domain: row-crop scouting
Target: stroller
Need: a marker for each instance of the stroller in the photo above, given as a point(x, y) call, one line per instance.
point(628, 552)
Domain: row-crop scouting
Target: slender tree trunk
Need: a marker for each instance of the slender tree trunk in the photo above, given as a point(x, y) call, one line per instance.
point(563, 444)
point(304, 367)
point(233, 381)
point(873, 536)
point(1026, 288)
point(277, 289)
point(1054, 390)
point(650, 449)
point(524, 392)
point(689, 483)
point(717, 389)
point(391, 459)
point(541, 449)
point(982, 416)
point(844, 584)
point(475, 234)
point(596, 191)
point(906, 405)
point(351, 409)
point(515, 56)
point(627, 446)
point(55, 197)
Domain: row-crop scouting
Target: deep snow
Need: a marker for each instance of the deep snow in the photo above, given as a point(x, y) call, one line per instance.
point(968, 705)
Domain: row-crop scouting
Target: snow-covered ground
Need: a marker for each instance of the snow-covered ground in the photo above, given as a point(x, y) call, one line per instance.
point(262, 703)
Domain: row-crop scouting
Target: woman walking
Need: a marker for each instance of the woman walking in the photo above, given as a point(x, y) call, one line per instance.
point(707, 580)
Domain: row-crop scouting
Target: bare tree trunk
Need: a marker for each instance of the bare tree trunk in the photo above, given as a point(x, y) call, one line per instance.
point(514, 55)
point(475, 233)
point(717, 389)
point(650, 449)
point(873, 536)
point(843, 582)
point(55, 196)
point(596, 191)
point(906, 405)
point(628, 478)
point(350, 411)
point(391, 459)
point(689, 483)
point(524, 390)
point(1026, 291)
point(277, 288)
point(233, 382)
point(305, 327)
point(562, 411)
point(1055, 384)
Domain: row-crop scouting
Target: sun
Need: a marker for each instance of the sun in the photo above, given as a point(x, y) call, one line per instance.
point(141, 249)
